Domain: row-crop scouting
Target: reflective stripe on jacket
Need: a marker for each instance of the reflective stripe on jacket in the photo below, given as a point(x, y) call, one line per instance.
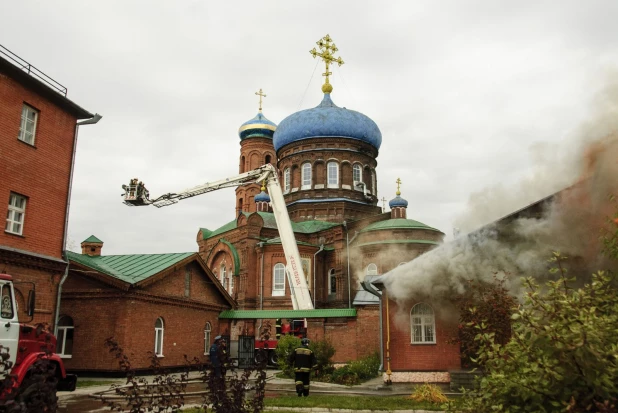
point(302, 359)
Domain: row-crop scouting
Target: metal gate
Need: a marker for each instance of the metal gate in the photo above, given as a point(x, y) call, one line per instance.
point(246, 351)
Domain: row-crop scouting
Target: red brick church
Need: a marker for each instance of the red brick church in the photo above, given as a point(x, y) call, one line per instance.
point(327, 160)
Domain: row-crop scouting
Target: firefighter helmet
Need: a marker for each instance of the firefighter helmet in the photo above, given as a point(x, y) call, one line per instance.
point(305, 342)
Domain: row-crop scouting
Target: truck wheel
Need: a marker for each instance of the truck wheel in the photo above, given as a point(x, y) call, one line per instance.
point(273, 358)
point(38, 395)
point(260, 356)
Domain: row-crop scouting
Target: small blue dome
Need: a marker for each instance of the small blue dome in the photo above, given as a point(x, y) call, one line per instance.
point(327, 120)
point(262, 197)
point(398, 201)
point(258, 127)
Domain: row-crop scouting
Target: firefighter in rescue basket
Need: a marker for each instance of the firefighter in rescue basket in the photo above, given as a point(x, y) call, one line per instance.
point(303, 360)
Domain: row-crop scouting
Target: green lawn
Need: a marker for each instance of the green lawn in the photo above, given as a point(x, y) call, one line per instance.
point(350, 402)
point(90, 383)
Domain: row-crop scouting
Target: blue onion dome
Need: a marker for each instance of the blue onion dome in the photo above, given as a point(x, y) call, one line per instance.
point(327, 120)
point(398, 201)
point(262, 197)
point(258, 127)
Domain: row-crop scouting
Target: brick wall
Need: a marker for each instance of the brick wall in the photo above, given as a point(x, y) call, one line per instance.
point(39, 172)
point(419, 357)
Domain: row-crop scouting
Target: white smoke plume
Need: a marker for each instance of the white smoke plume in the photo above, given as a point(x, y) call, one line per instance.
point(572, 222)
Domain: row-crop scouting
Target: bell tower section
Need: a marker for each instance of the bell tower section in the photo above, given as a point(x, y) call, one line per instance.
point(256, 149)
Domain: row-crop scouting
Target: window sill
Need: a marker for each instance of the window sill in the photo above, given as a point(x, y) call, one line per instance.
point(160, 356)
point(305, 188)
point(428, 343)
point(26, 143)
point(14, 234)
point(65, 356)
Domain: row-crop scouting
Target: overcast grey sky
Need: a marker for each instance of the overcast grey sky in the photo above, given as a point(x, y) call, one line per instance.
point(464, 92)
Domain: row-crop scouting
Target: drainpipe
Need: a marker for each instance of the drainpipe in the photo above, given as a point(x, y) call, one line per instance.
point(388, 343)
point(347, 242)
point(65, 257)
point(369, 288)
point(261, 245)
point(315, 289)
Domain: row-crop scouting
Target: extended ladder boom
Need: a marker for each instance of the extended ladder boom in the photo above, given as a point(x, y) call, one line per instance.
point(136, 194)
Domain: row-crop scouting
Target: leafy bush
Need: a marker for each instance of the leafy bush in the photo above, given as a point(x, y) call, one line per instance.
point(344, 375)
point(366, 368)
point(324, 352)
point(285, 347)
point(562, 355)
point(428, 393)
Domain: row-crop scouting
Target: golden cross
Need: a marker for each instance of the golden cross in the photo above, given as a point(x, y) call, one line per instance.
point(260, 94)
point(327, 48)
point(398, 181)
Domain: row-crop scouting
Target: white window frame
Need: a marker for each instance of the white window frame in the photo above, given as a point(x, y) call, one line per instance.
point(278, 286)
point(223, 272)
point(332, 279)
point(159, 335)
point(374, 185)
point(371, 269)
point(305, 173)
point(62, 332)
point(231, 284)
point(207, 331)
point(16, 214)
point(332, 174)
point(357, 176)
point(25, 135)
point(286, 180)
point(422, 324)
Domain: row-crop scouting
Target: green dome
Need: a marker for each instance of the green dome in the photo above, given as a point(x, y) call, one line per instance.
point(397, 223)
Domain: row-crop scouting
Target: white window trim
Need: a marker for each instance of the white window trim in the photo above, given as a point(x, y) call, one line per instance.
point(426, 319)
point(278, 292)
point(12, 211)
point(159, 332)
point(331, 277)
point(62, 331)
point(304, 175)
point(286, 180)
point(329, 184)
point(360, 176)
point(24, 121)
point(207, 331)
point(373, 270)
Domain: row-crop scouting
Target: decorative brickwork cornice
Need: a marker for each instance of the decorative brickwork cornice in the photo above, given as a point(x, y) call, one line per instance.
point(30, 260)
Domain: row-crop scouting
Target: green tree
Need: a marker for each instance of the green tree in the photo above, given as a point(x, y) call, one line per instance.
point(285, 346)
point(563, 353)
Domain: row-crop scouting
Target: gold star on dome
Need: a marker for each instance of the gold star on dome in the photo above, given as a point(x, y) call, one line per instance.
point(327, 48)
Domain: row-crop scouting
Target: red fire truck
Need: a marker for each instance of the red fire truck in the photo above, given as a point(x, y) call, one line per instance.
point(26, 345)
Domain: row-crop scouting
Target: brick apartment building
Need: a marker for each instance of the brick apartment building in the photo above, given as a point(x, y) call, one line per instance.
point(38, 131)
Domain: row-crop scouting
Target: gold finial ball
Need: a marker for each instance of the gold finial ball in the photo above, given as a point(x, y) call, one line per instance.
point(327, 88)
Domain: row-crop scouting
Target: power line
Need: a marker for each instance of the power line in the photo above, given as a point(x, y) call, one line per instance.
point(308, 84)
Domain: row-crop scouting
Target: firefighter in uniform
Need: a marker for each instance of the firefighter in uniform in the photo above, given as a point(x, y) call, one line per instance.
point(303, 360)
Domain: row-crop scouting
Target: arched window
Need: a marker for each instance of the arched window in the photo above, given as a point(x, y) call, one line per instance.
point(333, 175)
point(423, 324)
point(159, 337)
point(266, 159)
point(372, 269)
point(306, 176)
point(242, 164)
point(286, 180)
point(223, 273)
point(230, 288)
point(64, 343)
point(207, 330)
point(374, 185)
point(357, 176)
point(332, 282)
point(279, 280)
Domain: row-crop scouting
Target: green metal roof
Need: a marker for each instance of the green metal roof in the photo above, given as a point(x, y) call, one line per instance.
point(305, 227)
point(287, 314)
point(92, 238)
point(130, 268)
point(400, 241)
point(397, 223)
